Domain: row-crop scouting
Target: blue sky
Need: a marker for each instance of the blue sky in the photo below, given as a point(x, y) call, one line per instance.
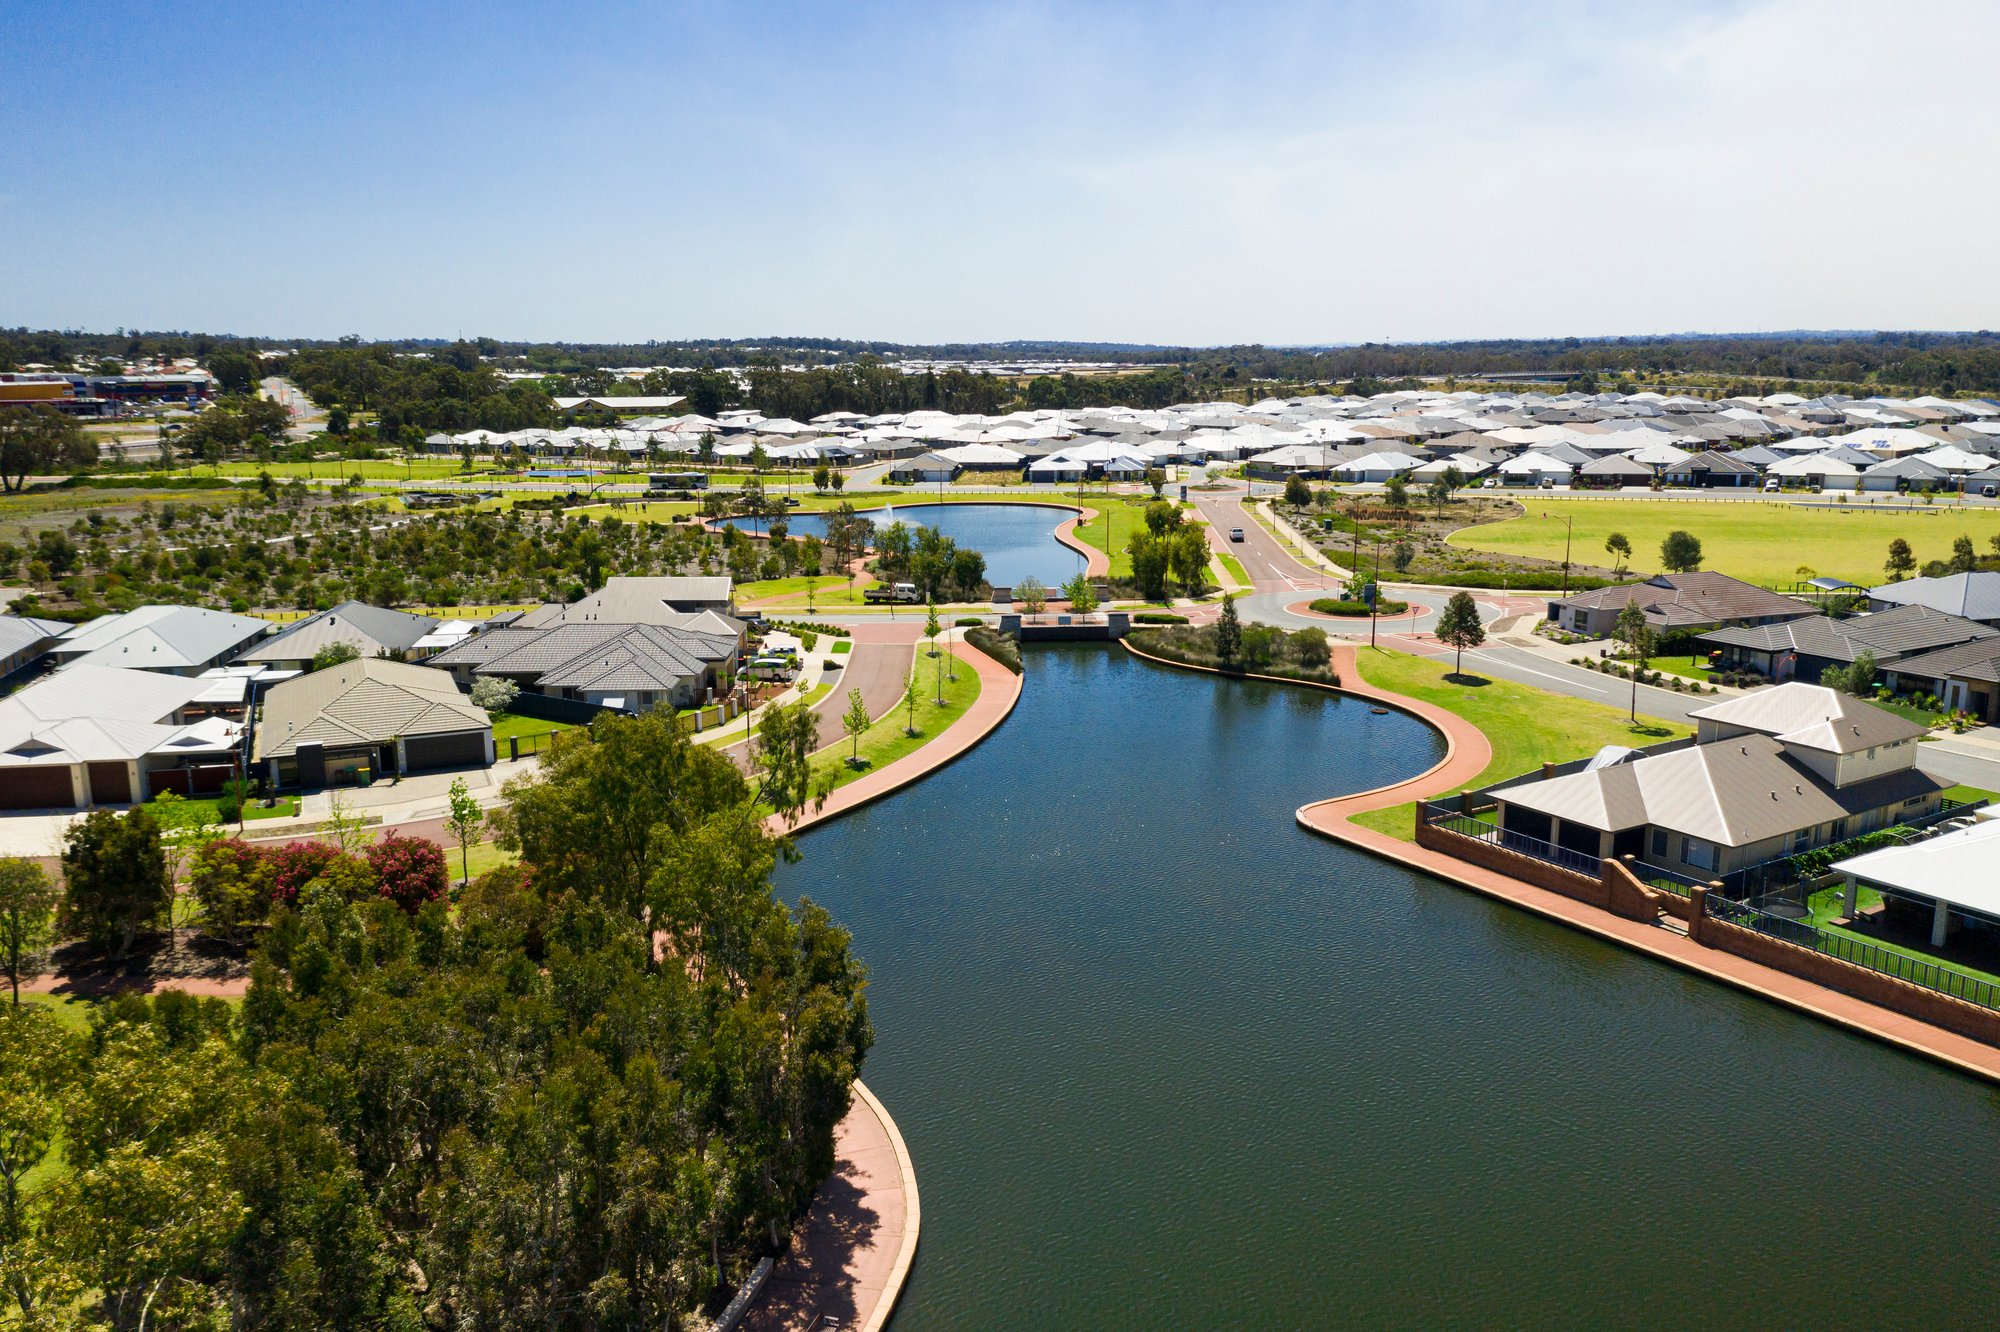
point(1167, 172)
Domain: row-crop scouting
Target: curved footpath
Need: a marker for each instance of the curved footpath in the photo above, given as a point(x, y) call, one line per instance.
point(1466, 756)
point(1096, 564)
point(854, 1248)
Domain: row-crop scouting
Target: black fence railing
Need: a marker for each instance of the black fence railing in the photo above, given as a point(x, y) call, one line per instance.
point(1577, 862)
point(1860, 952)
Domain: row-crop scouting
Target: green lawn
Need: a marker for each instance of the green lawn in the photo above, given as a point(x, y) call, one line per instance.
point(1234, 568)
point(339, 469)
point(507, 725)
point(284, 807)
point(790, 593)
point(1759, 541)
point(1114, 525)
point(885, 742)
point(842, 646)
point(1525, 726)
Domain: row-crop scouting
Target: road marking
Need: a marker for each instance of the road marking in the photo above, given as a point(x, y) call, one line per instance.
point(1561, 680)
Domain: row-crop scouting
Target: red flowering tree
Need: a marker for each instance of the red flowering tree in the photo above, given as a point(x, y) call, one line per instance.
point(409, 871)
point(298, 864)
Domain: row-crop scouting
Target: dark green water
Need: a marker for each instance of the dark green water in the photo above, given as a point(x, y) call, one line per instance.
point(1164, 1059)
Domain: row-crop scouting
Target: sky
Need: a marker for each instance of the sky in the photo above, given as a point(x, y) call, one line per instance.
point(921, 172)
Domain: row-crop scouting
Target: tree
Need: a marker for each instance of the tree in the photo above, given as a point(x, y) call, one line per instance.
point(1637, 636)
point(1856, 678)
point(822, 476)
point(1459, 628)
point(115, 870)
point(1032, 595)
point(786, 740)
point(1152, 559)
point(1312, 648)
point(1400, 555)
point(333, 654)
point(1964, 559)
point(1902, 560)
point(409, 871)
point(1298, 495)
point(1188, 558)
point(235, 882)
point(1082, 597)
point(494, 693)
point(465, 818)
point(40, 439)
point(1228, 633)
point(27, 914)
point(854, 722)
point(932, 627)
point(1619, 547)
point(913, 693)
point(37, 1061)
point(1156, 480)
point(1397, 491)
point(1680, 552)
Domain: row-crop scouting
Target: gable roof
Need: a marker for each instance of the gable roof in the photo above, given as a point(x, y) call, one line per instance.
point(159, 638)
point(370, 701)
point(370, 630)
point(639, 601)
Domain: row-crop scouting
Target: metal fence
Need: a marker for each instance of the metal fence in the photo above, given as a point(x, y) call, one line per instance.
point(1577, 862)
point(1859, 952)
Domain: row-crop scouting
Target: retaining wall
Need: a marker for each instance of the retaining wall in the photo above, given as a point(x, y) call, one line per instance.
point(1875, 987)
point(1614, 889)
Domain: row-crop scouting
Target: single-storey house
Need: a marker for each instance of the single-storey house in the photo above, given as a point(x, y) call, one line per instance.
point(1965, 677)
point(25, 640)
point(177, 640)
point(1610, 473)
point(1772, 774)
point(1803, 649)
point(1816, 469)
point(370, 630)
point(1709, 470)
point(1976, 596)
point(1376, 466)
point(1676, 603)
point(371, 716)
point(931, 467)
point(103, 735)
point(666, 600)
point(1906, 473)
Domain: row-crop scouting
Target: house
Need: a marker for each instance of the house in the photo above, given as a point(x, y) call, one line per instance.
point(1820, 470)
point(1533, 469)
point(1976, 596)
point(666, 600)
point(1964, 677)
point(1803, 649)
point(629, 406)
point(24, 641)
point(368, 717)
point(1707, 470)
point(1677, 603)
point(1771, 774)
point(1905, 473)
point(370, 630)
point(177, 640)
point(1610, 473)
point(931, 467)
point(103, 735)
point(1376, 466)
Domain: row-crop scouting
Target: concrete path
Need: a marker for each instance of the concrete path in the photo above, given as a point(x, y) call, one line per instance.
point(852, 1253)
point(1466, 755)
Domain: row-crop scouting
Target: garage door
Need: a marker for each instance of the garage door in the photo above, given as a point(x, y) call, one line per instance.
point(36, 788)
point(110, 784)
point(465, 749)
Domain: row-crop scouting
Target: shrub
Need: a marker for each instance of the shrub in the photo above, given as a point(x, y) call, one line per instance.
point(1001, 647)
point(1158, 617)
point(235, 883)
point(967, 622)
point(296, 864)
point(409, 871)
point(493, 693)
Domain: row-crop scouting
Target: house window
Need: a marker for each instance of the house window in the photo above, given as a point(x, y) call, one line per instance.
point(1700, 854)
point(1660, 843)
point(1801, 840)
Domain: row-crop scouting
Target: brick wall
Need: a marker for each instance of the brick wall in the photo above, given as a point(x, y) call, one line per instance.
point(1580, 887)
point(1900, 996)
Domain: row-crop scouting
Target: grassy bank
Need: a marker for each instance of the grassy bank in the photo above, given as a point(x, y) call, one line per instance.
point(1525, 726)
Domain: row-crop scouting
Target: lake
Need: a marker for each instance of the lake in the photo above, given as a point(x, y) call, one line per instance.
point(1017, 539)
point(1163, 1058)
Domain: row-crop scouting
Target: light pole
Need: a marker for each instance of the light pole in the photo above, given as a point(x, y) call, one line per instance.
point(1376, 597)
point(1569, 531)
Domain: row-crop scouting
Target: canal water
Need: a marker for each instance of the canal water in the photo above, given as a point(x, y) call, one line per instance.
point(1016, 539)
point(1164, 1059)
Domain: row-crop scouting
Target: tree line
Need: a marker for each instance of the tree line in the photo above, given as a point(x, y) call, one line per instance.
point(588, 1093)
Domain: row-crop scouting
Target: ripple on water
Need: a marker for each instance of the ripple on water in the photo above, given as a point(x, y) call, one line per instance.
point(1161, 1055)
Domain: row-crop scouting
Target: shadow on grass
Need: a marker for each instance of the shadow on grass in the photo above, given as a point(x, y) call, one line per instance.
point(1468, 681)
point(1655, 731)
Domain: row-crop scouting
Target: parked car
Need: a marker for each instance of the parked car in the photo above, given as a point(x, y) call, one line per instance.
point(1772, 485)
point(1235, 534)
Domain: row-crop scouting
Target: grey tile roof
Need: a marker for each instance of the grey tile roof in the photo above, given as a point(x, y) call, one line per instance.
point(1976, 660)
point(1690, 600)
point(1889, 634)
point(371, 700)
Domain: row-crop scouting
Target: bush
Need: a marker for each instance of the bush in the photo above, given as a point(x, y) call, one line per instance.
point(1158, 617)
point(494, 694)
point(1267, 650)
point(296, 864)
point(235, 883)
point(409, 871)
point(1384, 606)
point(967, 622)
point(1001, 647)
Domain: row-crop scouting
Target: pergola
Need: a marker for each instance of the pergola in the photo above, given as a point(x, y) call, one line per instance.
point(1953, 870)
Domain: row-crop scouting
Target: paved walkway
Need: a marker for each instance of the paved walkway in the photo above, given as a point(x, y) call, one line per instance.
point(1096, 564)
point(1467, 754)
point(852, 1253)
point(999, 690)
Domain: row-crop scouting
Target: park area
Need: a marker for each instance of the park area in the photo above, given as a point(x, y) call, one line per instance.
point(1764, 542)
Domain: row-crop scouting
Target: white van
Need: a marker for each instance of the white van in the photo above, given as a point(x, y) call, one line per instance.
point(1772, 485)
